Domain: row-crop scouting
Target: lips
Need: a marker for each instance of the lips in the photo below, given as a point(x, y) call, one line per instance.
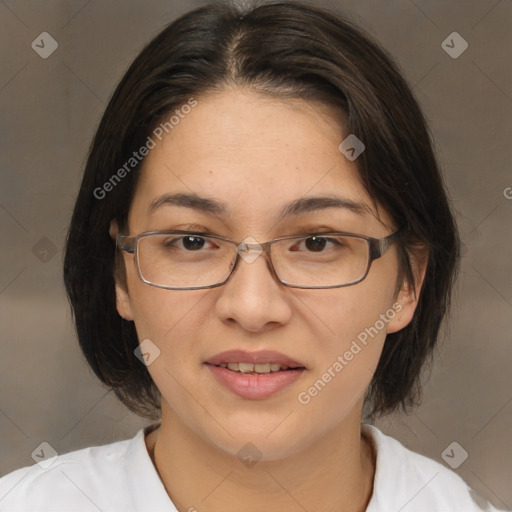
point(254, 375)
point(254, 368)
point(262, 357)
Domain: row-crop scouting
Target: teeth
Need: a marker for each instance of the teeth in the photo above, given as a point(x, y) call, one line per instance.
point(262, 368)
point(253, 368)
point(246, 367)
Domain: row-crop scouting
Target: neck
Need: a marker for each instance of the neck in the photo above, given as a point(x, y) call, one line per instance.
point(335, 473)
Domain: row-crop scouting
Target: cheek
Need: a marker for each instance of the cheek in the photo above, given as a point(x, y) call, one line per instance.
point(171, 319)
point(340, 316)
point(158, 312)
point(354, 320)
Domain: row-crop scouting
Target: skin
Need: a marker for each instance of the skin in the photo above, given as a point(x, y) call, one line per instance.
point(254, 154)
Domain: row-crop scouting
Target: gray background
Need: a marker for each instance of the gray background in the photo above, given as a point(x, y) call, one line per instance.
point(49, 111)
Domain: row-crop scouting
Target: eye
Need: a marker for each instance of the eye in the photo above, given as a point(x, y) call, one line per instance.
point(193, 243)
point(190, 242)
point(316, 243)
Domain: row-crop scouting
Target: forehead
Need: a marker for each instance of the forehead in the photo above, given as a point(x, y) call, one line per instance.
point(253, 154)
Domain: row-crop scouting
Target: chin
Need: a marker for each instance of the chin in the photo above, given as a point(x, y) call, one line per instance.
point(258, 440)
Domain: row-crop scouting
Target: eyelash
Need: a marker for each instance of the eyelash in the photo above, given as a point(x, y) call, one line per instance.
point(202, 234)
point(198, 230)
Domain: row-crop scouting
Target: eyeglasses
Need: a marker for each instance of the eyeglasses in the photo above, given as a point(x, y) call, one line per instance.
point(184, 260)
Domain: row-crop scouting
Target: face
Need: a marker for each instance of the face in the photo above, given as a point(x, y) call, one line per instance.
point(253, 155)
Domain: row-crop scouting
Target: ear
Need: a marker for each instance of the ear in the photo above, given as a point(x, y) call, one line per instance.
point(407, 298)
point(123, 303)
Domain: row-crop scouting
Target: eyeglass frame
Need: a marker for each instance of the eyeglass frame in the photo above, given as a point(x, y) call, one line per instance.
point(377, 247)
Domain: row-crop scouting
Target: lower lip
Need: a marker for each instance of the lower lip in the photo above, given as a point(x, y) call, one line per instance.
point(252, 386)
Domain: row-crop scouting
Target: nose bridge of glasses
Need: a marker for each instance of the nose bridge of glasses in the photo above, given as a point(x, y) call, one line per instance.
point(249, 249)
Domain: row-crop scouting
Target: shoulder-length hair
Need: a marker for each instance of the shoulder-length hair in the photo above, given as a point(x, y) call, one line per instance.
point(287, 49)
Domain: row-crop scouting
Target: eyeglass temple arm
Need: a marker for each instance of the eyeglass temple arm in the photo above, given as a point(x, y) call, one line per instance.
point(125, 243)
point(379, 246)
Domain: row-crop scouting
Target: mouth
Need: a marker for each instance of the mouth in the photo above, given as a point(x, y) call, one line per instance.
point(263, 361)
point(258, 369)
point(254, 375)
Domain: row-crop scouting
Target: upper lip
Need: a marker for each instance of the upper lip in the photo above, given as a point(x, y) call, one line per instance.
point(260, 357)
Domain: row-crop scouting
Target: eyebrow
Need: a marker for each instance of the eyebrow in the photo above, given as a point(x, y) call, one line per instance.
point(190, 201)
point(293, 208)
point(310, 204)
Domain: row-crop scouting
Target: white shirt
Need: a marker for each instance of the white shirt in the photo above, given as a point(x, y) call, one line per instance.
point(121, 477)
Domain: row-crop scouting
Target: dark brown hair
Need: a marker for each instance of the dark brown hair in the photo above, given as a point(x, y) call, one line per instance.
point(285, 49)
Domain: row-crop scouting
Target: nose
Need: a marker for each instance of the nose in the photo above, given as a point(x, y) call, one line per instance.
point(253, 297)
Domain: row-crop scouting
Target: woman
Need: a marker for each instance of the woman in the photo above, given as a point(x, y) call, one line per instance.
point(262, 246)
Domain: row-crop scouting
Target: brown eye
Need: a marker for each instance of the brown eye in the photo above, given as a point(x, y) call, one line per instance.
point(188, 242)
point(193, 243)
point(316, 243)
